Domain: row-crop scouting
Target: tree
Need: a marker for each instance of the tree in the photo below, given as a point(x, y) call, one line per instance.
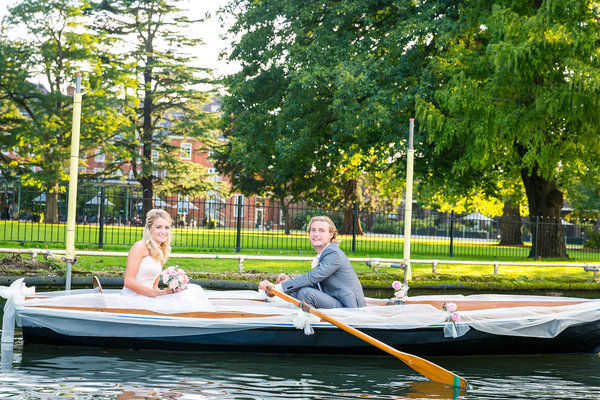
point(518, 88)
point(167, 102)
point(494, 84)
point(309, 92)
point(35, 74)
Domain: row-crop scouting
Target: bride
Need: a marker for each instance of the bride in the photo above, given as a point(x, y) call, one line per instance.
point(144, 265)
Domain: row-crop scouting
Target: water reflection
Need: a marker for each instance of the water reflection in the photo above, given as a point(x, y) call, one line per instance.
point(85, 373)
point(47, 372)
point(78, 372)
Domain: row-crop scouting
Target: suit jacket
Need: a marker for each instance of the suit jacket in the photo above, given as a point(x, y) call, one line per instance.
point(336, 276)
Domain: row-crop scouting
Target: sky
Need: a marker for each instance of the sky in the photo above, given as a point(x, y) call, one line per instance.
point(208, 31)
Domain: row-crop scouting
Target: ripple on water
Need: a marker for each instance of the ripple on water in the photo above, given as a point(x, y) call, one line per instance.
point(44, 372)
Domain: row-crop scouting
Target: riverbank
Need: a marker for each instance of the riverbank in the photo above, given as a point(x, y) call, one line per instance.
point(224, 274)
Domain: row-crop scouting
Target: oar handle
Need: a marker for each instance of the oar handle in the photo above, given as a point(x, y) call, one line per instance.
point(424, 367)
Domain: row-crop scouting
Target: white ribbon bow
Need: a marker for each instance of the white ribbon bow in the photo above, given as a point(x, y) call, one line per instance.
point(304, 320)
point(14, 295)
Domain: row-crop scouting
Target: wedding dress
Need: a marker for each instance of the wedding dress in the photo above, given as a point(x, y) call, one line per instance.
point(191, 299)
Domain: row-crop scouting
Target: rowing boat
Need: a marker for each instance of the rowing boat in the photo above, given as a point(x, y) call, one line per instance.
point(249, 321)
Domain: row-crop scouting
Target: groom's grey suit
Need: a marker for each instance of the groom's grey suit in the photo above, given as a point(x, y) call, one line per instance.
point(339, 284)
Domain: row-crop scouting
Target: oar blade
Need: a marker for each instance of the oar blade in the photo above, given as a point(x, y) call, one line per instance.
point(424, 367)
point(431, 370)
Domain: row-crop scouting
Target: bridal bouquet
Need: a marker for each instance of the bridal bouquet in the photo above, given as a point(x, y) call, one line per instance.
point(175, 278)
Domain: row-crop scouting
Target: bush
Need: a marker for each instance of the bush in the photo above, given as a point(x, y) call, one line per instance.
point(593, 242)
point(301, 219)
point(384, 225)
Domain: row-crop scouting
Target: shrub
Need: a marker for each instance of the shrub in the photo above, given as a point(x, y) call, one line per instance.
point(385, 225)
point(593, 242)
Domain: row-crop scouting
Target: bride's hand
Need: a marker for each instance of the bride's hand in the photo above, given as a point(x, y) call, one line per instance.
point(165, 291)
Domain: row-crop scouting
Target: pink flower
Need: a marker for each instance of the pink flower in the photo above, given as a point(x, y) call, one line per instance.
point(455, 317)
point(451, 307)
point(399, 294)
point(397, 285)
point(173, 284)
point(180, 272)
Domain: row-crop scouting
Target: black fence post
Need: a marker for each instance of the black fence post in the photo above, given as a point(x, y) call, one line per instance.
point(101, 218)
point(535, 242)
point(451, 254)
point(238, 245)
point(354, 217)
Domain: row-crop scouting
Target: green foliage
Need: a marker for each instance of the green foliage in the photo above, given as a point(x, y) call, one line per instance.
point(518, 97)
point(385, 225)
point(35, 72)
point(594, 240)
point(211, 224)
point(313, 113)
point(163, 100)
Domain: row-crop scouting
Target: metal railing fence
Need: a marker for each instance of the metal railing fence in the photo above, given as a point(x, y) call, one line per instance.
point(113, 216)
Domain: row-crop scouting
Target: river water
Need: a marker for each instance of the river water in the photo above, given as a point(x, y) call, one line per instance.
point(48, 372)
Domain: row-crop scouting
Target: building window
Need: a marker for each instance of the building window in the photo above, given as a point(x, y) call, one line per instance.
point(100, 157)
point(186, 151)
point(82, 170)
point(214, 176)
point(154, 155)
point(98, 170)
point(237, 199)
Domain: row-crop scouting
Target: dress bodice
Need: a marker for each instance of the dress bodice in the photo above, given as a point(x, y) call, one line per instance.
point(188, 300)
point(148, 271)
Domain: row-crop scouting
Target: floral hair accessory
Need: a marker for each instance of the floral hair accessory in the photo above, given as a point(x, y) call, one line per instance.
point(175, 278)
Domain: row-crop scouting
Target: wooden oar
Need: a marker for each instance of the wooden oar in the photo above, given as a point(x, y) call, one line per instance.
point(422, 366)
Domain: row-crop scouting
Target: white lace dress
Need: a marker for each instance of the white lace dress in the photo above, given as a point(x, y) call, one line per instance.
point(191, 299)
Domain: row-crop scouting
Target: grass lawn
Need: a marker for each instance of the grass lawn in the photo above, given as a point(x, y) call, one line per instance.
point(223, 241)
point(474, 277)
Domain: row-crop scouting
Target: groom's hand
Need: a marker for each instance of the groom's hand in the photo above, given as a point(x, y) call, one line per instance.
point(283, 278)
point(266, 286)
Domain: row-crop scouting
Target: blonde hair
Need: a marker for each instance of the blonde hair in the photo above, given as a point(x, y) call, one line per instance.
point(160, 252)
point(332, 228)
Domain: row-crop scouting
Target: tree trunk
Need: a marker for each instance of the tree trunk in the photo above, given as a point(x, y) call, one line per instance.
point(285, 209)
point(512, 232)
point(350, 190)
point(51, 213)
point(545, 202)
point(346, 228)
point(147, 195)
point(147, 180)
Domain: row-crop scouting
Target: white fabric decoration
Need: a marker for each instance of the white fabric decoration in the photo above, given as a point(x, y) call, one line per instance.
point(14, 295)
point(303, 320)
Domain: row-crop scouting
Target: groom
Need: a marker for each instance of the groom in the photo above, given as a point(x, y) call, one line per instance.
point(332, 283)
